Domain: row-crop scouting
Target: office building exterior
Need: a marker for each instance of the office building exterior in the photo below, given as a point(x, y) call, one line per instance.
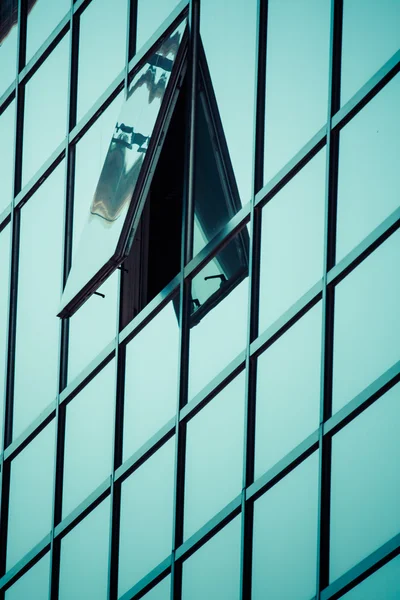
point(199, 299)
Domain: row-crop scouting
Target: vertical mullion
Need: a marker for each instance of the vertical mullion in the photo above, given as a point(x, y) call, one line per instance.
point(332, 146)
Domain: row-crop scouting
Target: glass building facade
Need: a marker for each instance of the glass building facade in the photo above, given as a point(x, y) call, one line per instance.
point(218, 416)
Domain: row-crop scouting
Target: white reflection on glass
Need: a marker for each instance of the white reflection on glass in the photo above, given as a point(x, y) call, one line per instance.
point(8, 43)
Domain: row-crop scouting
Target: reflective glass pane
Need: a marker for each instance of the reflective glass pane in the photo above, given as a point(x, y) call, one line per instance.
point(34, 584)
point(367, 322)
point(147, 499)
point(285, 536)
point(231, 63)
point(43, 17)
point(371, 35)
point(297, 78)
point(213, 571)
point(218, 321)
point(7, 144)
point(214, 462)
point(369, 189)
point(39, 280)
point(89, 434)
point(102, 49)
point(292, 242)
point(162, 591)
point(31, 495)
point(84, 557)
point(365, 488)
point(288, 391)
point(46, 99)
point(384, 583)
point(151, 379)
point(4, 298)
point(150, 15)
point(8, 43)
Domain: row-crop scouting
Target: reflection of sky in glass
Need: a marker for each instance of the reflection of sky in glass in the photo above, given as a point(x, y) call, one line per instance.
point(151, 14)
point(7, 136)
point(8, 47)
point(4, 282)
point(42, 19)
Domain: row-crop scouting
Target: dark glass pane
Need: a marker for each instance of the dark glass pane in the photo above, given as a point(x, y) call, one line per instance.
point(288, 391)
point(214, 462)
point(34, 584)
point(151, 14)
point(384, 583)
point(39, 280)
point(151, 379)
point(102, 49)
point(31, 495)
point(147, 499)
point(231, 61)
point(371, 35)
point(365, 490)
point(7, 144)
point(46, 100)
point(367, 322)
point(292, 242)
point(369, 188)
point(4, 298)
point(297, 78)
point(89, 436)
point(213, 571)
point(218, 322)
point(43, 17)
point(84, 557)
point(285, 536)
point(8, 43)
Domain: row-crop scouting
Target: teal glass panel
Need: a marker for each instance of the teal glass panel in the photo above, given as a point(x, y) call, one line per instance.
point(213, 571)
point(288, 391)
point(151, 14)
point(151, 379)
point(162, 591)
point(368, 42)
point(147, 499)
point(39, 281)
point(285, 536)
point(384, 583)
point(231, 62)
point(367, 323)
point(46, 100)
point(102, 49)
point(5, 235)
point(297, 78)
point(8, 43)
point(31, 495)
point(292, 241)
point(84, 557)
point(368, 189)
point(214, 461)
point(218, 320)
point(34, 584)
point(7, 145)
point(365, 486)
point(43, 17)
point(89, 434)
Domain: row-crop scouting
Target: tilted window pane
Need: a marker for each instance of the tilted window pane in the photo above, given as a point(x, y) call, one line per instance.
point(46, 100)
point(162, 591)
point(371, 35)
point(213, 571)
point(151, 379)
point(39, 281)
point(365, 487)
point(297, 78)
point(43, 17)
point(5, 239)
point(89, 435)
point(369, 189)
point(288, 391)
point(30, 511)
point(230, 54)
point(7, 145)
point(147, 499)
point(34, 584)
point(214, 462)
point(150, 15)
point(292, 241)
point(8, 43)
point(367, 322)
point(84, 557)
point(285, 536)
point(384, 583)
point(218, 321)
point(102, 49)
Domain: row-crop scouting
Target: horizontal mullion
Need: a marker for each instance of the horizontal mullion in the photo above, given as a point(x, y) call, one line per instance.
point(150, 580)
